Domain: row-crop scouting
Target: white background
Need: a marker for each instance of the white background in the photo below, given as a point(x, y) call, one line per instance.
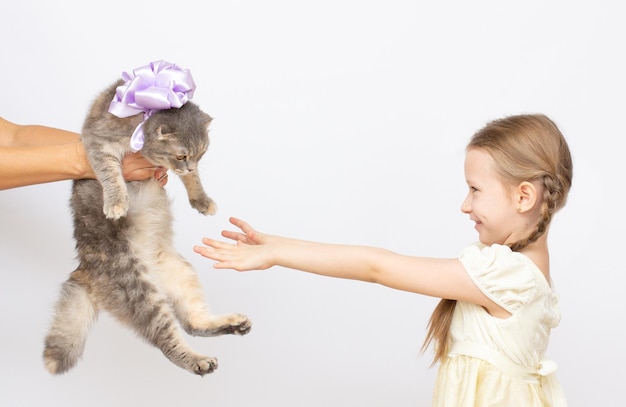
point(340, 121)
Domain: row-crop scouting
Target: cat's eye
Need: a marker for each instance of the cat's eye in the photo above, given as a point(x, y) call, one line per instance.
point(181, 157)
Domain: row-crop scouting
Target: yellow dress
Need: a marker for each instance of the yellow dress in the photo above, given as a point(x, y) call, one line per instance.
point(500, 362)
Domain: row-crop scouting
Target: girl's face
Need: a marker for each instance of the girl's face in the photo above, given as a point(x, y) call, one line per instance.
point(490, 203)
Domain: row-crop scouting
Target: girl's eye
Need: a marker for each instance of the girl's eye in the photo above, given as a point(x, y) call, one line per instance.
point(181, 157)
point(473, 189)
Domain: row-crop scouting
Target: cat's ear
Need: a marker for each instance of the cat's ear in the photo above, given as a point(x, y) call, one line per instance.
point(163, 132)
point(206, 119)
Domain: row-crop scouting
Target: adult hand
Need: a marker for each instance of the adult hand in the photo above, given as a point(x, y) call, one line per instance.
point(136, 168)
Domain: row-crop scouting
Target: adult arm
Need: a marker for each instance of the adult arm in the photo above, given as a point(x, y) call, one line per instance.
point(38, 154)
point(33, 154)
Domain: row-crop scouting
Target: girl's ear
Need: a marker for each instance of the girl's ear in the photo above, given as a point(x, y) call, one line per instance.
point(526, 195)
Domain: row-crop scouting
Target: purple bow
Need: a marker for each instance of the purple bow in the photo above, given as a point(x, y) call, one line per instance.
point(158, 86)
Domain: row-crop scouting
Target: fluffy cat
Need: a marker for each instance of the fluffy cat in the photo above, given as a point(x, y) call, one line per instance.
point(128, 265)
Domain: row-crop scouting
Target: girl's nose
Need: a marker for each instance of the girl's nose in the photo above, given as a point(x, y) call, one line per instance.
point(466, 206)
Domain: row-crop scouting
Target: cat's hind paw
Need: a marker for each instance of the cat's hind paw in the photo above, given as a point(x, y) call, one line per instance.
point(238, 324)
point(241, 325)
point(204, 365)
point(216, 325)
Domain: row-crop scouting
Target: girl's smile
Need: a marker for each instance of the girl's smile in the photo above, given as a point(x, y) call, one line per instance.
point(489, 201)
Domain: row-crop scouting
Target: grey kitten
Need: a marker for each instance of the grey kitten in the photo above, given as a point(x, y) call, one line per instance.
point(128, 265)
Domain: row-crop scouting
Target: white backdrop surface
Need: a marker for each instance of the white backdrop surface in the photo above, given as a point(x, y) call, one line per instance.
point(340, 121)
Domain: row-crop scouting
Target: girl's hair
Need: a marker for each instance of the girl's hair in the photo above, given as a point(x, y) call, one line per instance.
point(524, 148)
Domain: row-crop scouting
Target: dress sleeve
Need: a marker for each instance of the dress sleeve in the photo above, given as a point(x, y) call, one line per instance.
point(504, 276)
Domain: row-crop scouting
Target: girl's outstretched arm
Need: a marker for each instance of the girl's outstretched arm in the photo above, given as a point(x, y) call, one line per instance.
point(253, 250)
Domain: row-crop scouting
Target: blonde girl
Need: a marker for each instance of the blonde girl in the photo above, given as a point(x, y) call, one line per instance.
point(491, 329)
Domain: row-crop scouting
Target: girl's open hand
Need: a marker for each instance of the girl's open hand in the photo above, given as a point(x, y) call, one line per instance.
point(249, 235)
point(249, 252)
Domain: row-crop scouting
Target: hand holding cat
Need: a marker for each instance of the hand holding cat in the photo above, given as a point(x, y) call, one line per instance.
point(35, 154)
point(136, 168)
point(250, 252)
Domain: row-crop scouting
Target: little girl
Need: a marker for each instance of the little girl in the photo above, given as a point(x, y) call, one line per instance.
point(491, 329)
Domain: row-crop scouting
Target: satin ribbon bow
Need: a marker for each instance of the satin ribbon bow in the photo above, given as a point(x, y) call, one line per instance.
point(158, 86)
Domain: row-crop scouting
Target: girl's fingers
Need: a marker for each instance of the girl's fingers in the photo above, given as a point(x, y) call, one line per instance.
point(249, 236)
point(216, 244)
point(244, 226)
point(236, 221)
point(211, 253)
point(203, 251)
point(236, 236)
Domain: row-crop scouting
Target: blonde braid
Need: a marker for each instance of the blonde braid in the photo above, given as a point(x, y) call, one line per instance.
point(551, 197)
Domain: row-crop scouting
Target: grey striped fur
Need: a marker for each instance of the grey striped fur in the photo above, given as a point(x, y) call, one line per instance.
point(128, 265)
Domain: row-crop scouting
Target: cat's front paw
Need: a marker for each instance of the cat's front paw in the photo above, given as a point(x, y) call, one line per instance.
point(204, 205)
point(116, 209)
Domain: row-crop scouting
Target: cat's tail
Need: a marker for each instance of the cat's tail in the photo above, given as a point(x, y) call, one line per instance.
point(75, 313)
